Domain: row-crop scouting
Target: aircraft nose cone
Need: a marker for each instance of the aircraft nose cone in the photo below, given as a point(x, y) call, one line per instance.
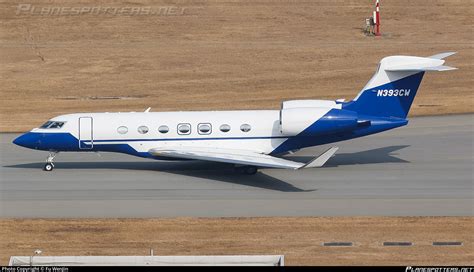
point(28, 140)
point(20, 140)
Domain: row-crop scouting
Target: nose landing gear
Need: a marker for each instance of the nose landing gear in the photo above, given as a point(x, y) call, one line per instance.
point(49, 166)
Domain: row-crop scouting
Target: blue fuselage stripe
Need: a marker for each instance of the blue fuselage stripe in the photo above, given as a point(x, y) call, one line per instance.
point(189, 139)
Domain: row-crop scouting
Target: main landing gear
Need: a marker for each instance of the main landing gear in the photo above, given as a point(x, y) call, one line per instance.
point(49, 166)
point(247, 169)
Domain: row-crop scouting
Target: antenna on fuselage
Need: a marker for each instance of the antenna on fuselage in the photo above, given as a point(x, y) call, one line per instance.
point(148, 110)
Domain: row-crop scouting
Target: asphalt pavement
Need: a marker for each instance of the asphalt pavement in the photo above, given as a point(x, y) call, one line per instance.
point(425, 168)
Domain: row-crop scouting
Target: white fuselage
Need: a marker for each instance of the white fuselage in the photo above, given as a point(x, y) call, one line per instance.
point(264, 134)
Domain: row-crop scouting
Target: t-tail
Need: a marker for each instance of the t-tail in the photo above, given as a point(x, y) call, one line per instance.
point(390, 92)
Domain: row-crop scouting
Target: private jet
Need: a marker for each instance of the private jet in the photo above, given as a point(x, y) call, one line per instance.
point(248, 139)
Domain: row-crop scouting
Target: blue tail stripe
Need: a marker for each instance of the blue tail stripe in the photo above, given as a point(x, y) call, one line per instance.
point(393, 99)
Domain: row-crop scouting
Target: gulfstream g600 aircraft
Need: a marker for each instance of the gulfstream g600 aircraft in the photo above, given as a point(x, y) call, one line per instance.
point(248, 139)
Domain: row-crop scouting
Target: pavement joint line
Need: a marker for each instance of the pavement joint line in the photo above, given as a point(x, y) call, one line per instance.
point(343, 244)
point(398, 244)
point(447, 243)
point(436, 243)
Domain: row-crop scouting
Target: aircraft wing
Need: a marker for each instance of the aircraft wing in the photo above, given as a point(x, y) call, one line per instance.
point(243, 157)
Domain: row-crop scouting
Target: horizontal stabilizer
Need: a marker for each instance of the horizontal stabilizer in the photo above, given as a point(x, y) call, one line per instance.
point(441, 68)
point(442, 55)
point(418, 67)
point(416, 64)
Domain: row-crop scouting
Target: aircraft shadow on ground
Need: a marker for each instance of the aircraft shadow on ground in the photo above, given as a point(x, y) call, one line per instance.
point(225, 173)
point(259, 180)
point(207, 170)
point(372, 156)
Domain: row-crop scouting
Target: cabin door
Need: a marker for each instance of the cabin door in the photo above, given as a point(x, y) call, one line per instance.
point(86, 140)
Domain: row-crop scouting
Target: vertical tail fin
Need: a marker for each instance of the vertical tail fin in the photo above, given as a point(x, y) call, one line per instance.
point(392, 89)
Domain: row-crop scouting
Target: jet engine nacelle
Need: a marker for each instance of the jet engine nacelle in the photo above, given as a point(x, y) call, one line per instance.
point(316, 121)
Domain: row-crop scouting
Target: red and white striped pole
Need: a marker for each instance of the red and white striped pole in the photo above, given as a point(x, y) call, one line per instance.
point(377, 18)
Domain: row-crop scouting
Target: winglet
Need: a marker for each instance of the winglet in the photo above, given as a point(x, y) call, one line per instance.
point(321, 159)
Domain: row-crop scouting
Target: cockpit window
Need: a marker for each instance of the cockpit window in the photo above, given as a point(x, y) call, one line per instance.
point(56, 125)
point(52, 124)
point(46, 125)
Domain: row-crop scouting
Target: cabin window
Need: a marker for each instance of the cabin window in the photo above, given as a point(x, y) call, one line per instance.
point(205, 129)
point(163, 129)
point(245, 127)
point(225, 128)
point(52, 124)
point(122, 130)
point(184, 129)
point(143, 129)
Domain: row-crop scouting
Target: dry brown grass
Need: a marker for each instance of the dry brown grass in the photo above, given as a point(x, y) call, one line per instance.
point(299, 239)
point(222, 55)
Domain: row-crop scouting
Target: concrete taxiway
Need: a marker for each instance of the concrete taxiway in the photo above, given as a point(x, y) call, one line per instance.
point(425, 168)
